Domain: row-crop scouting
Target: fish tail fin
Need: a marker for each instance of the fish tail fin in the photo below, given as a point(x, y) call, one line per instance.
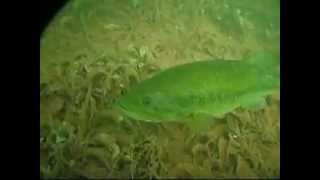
point(267, 64)
point(264, 59)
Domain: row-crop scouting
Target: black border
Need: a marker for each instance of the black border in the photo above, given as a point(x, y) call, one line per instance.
point(48, 10)
point(299, 78)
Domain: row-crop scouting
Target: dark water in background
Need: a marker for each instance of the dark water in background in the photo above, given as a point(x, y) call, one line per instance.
point(95, 49)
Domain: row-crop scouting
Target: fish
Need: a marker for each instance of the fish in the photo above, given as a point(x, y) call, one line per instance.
point(211, 87)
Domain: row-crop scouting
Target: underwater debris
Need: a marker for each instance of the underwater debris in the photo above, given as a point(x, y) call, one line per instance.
point(112, 27)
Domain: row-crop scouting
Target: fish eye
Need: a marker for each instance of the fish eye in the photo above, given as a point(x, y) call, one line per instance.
point(146, 101)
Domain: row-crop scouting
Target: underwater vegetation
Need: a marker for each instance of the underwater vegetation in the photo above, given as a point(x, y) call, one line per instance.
point(95, 53)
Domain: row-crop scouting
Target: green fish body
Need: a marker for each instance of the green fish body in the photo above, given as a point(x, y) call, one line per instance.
point(213, 87)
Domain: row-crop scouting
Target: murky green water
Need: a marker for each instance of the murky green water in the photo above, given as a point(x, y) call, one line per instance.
point(95, 50)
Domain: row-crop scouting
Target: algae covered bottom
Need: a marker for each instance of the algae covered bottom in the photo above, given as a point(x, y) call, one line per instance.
point(98, 53)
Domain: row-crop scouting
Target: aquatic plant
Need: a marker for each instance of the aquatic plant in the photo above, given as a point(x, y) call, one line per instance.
point(73, 103)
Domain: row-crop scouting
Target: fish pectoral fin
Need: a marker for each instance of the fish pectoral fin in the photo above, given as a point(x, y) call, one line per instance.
point(220, 116)
point(255, 104)
point(198, 122)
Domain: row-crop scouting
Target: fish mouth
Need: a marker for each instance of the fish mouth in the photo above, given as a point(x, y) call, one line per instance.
point(123, 107)
point(125, 111)
point(129, 114)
